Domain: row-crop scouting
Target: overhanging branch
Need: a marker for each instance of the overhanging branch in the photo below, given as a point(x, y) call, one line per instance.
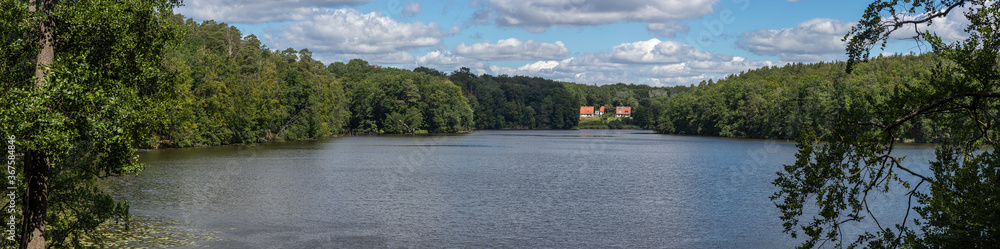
point(899, 24)
point(930, 107)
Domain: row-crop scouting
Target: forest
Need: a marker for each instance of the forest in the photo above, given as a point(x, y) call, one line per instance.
point(779, 102)
point(87, 83)
point(233, 89)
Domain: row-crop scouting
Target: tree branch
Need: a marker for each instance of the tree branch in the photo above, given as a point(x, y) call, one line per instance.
point(872, 124)
point(914, 173)
point(899, 24)
point(930, 107)
point(290, 121)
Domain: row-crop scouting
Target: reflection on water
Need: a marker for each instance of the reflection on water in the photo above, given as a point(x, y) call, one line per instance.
point(566, 189)
point(441, 145)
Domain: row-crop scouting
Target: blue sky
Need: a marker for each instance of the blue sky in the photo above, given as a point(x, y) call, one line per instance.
point(661, 43)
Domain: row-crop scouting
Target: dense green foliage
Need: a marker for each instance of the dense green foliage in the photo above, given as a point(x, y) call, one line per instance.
point(646, 101)
point(220, 74)
point(389, 100)
point(779, 102)
point(520, 102)
point(132, 75)
point(97, 100)
point(501, 102)
point(957, 103)
point(230, 88)
point(236, 90)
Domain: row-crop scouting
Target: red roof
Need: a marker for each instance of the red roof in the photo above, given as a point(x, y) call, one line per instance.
point(602, 109)
point(624, 110)
point(586, 110)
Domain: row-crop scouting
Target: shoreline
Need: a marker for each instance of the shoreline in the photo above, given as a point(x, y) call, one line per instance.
point(471, 131)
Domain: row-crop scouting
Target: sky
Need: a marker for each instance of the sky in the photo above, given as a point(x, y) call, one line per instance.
point(659, 43)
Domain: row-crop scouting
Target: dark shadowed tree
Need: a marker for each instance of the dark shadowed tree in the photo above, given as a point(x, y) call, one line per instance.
point(956, 208)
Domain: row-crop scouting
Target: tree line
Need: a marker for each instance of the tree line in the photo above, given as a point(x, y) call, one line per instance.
point(232, 88)
point(780, 102)
point(86, 83)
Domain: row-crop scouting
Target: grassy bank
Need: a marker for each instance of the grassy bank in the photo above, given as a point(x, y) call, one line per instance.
point(607, 123)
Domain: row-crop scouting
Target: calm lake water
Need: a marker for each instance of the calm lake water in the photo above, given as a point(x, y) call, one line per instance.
point(520, 189)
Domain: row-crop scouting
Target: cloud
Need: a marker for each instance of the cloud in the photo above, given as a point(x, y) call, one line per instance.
point(579, 70)
point(564, 71)
point(651, 61)
point(668, 30)
point(411, 9)
point(477, 55)
point(656, 51)
point(696, 68)
point(498, 70)
point(513, 49)
point(813, 40)
point(398, 57)
point(597, 62)
point(257, 11)
point(447, 61)
point(348, 32)
point(950, 27)
point(539, 66)
point(536, 16)
point(674, 81)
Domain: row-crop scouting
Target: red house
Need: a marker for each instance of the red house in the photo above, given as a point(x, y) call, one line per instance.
point(586, 111)
point(623, 111)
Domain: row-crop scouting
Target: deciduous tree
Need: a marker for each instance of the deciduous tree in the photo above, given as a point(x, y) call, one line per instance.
point(957, 208)
point(95, 96)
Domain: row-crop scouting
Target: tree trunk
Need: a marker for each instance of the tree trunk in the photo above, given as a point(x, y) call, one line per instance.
point(46, 53)
point(36, 168)
point(36, 199)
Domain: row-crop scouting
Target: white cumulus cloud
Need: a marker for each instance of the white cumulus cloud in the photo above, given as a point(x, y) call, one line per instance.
point(651, 61)
point(447, 61)
point(813, 40)
point(513, 49)
point(536, 16)
point(348, 32)
point(657, 51)
point(539, 66)
point(950, 27)
point(257, 11)
point(696, 68)
point(674, 81)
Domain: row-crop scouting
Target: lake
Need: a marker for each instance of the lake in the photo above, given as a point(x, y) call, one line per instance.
point(520, 189)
